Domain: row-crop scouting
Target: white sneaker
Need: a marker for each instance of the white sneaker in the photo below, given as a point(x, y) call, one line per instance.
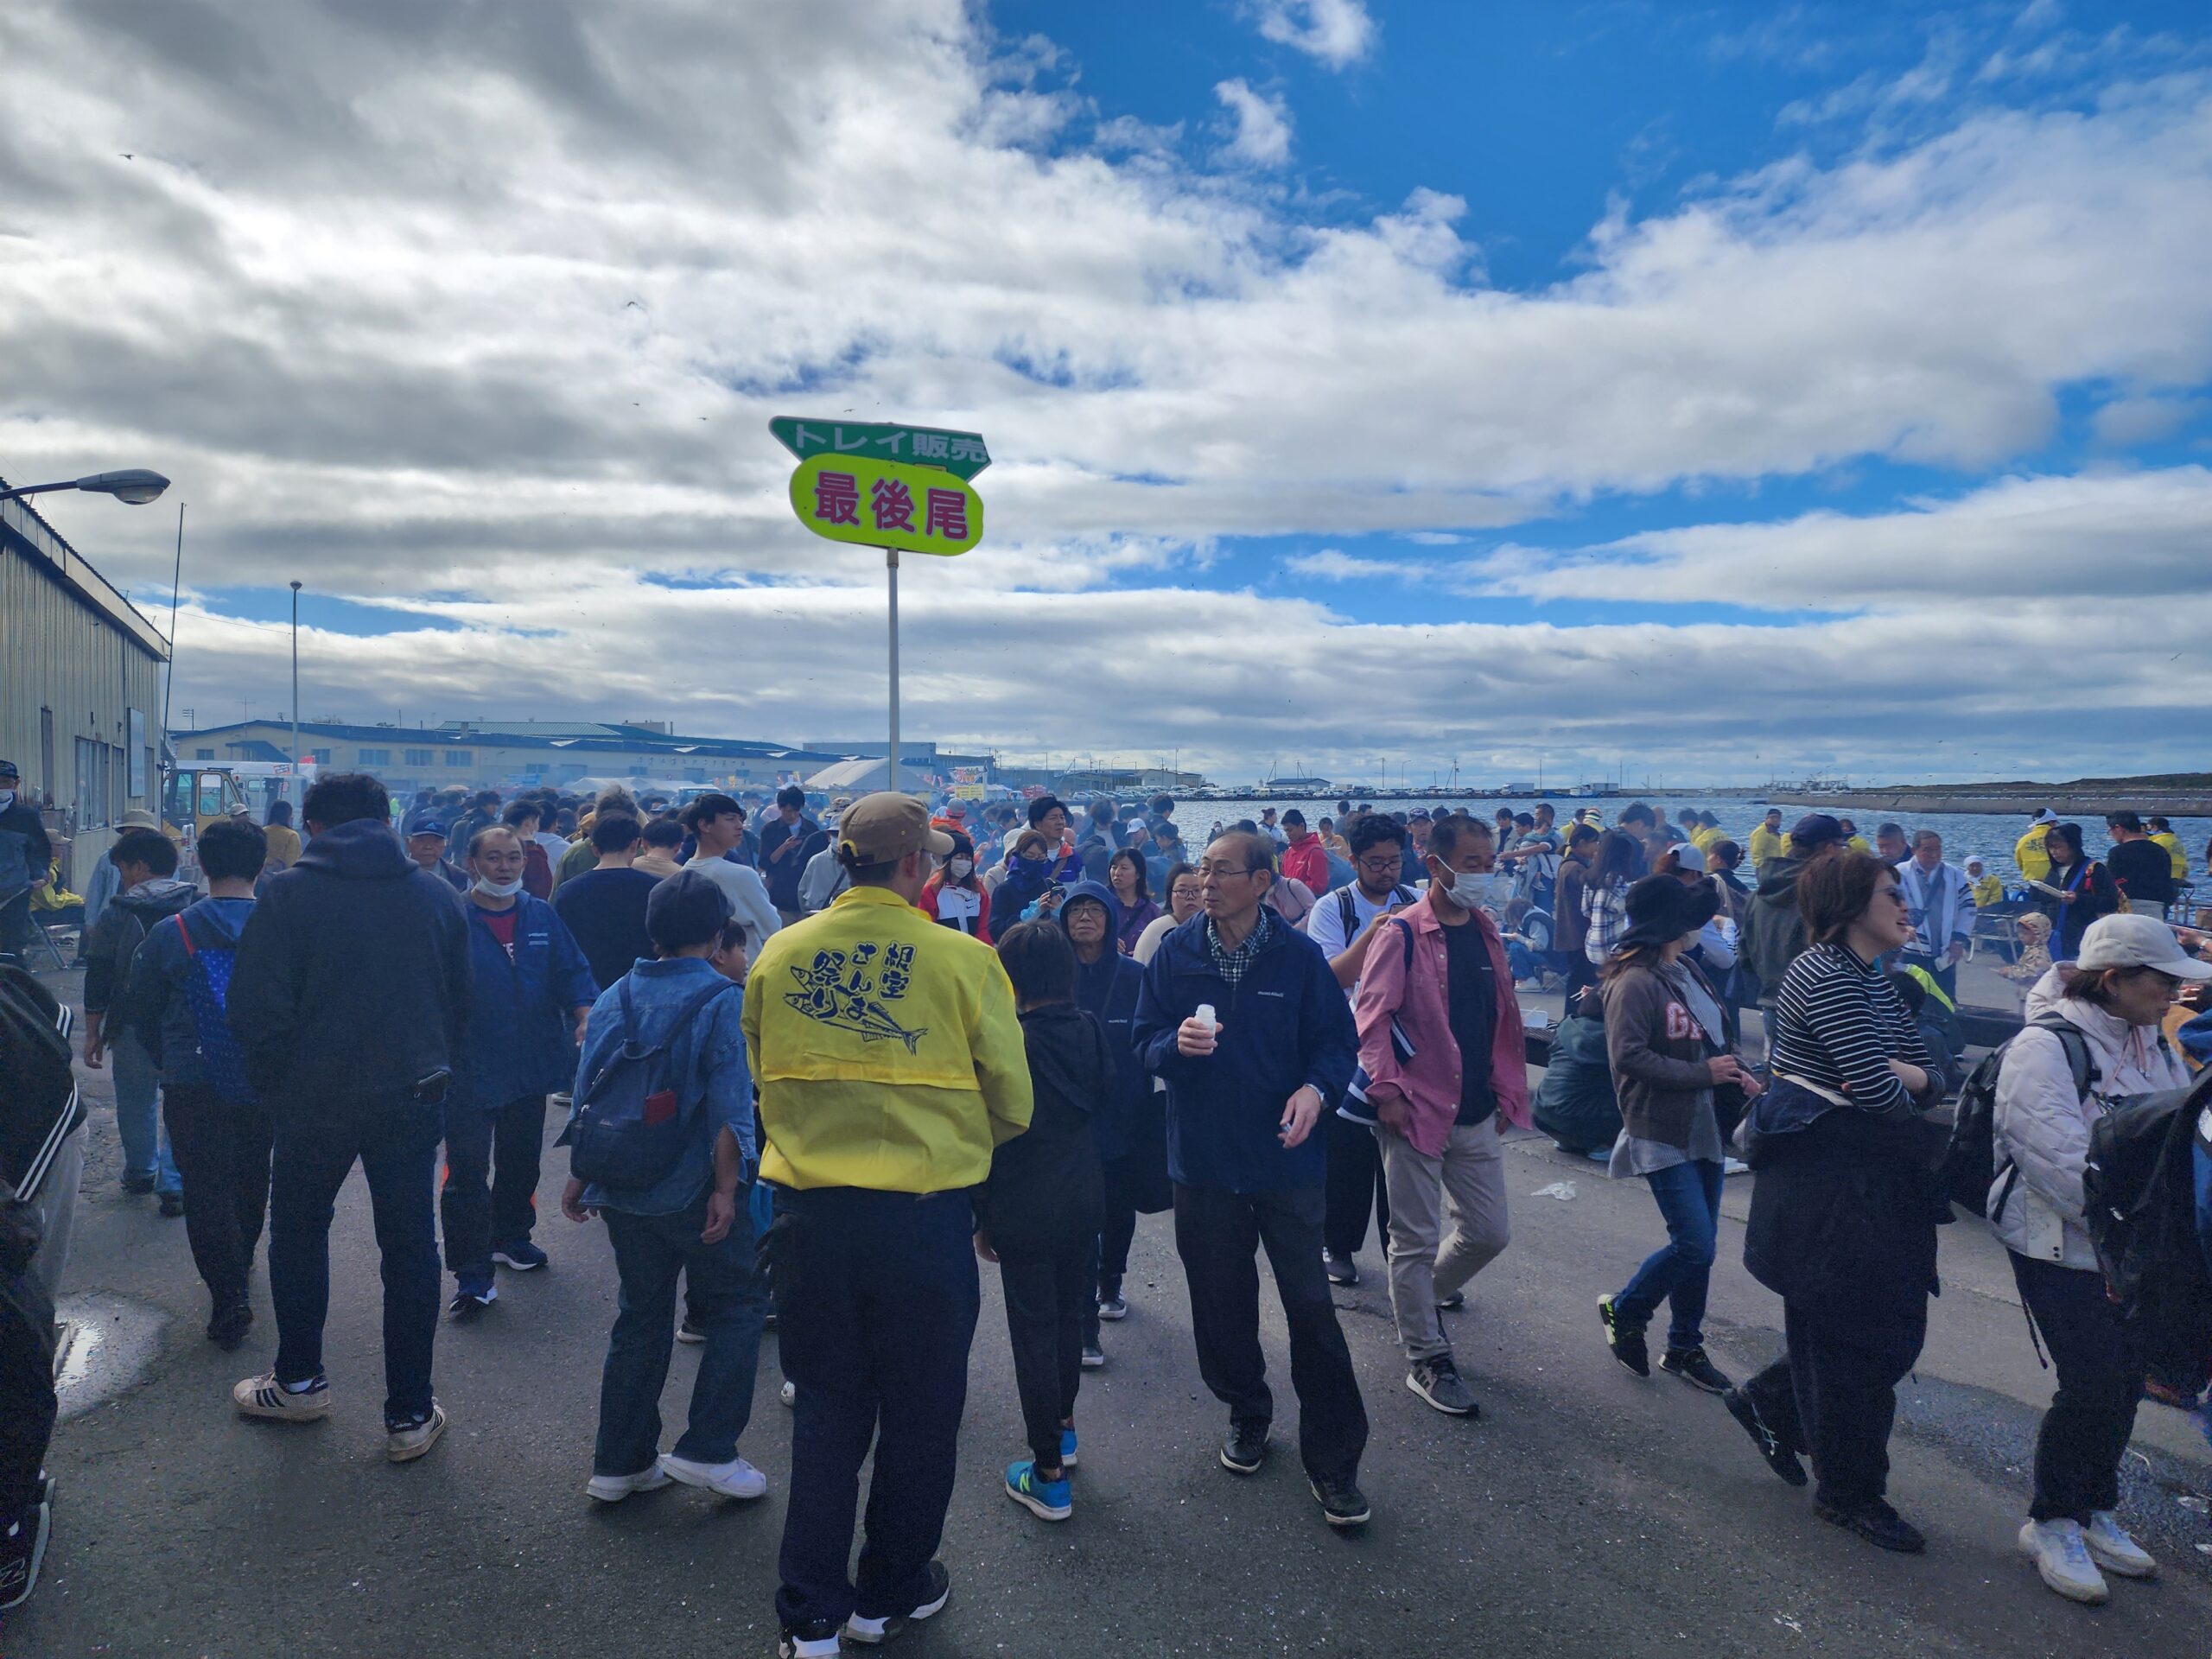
point(2061, 1557)
point(2114, 1550)
point(263, 1396)
point(808, 1647)
point(736, 1478)
point(405, 1444)
point(613, 1488)
point(789, 1393)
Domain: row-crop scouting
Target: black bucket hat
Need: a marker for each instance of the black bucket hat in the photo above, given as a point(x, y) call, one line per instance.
point(1664, 907)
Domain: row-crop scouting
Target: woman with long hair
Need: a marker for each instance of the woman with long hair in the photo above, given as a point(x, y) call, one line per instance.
point(1605, 894)
point(1666, 1040)
point(1846, 1200)
point(1126, 875)
point(2077, 891)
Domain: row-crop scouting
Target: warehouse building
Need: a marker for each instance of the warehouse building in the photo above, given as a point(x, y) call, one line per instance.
point(505, 755)
point(80, 689)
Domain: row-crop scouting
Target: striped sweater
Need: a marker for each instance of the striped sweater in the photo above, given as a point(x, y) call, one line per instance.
point(1837, 1022)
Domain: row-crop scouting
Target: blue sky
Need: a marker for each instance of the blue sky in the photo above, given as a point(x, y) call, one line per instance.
point(1740, 389)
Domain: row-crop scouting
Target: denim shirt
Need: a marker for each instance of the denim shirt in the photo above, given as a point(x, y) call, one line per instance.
point(706, 1066)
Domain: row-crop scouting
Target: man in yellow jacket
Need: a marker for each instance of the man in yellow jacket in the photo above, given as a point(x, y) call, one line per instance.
point(891, 1061)
point(2029, 852)
point(2162, 833)
point(1767, 839)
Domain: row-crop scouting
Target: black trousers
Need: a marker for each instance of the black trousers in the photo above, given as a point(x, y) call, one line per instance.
point(222, 1156)
point(1114, 1240)
point(2100, 1364)
point(1834, 1395)
point(1218, 1234)
point(880, 1297)
point(1049, 1304)
point(1355, 1188)
point(505, 1142)
point(27, 1401)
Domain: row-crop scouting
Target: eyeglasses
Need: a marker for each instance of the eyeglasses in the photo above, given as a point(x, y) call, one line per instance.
point(1381, 866)
point(1223, 872)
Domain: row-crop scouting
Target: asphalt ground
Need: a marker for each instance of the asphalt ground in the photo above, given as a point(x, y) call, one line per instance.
point(1584, 1513)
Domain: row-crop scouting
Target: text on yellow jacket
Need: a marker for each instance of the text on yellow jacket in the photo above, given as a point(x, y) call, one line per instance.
point(887, 1048)
point(2028, 852)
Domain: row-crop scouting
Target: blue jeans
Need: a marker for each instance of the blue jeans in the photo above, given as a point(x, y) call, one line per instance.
point(395, 1139)
point(879, 1296)
point(727, 1302)
point(1689, 1200)
point(138, 1114)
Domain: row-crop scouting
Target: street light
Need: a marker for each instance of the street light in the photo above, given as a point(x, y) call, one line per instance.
point(134, 487)
point(298, 790)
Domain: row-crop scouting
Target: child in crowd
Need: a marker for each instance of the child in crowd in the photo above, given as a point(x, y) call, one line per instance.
point(1037, 1215)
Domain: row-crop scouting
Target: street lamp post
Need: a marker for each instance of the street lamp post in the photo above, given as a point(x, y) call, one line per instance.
point(134, 487)
point(298, 792)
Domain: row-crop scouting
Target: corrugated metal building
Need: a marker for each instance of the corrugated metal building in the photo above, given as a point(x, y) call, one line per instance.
point(79, 684)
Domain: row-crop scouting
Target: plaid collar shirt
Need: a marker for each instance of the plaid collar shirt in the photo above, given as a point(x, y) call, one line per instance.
point(1607, 909)
point(1233, 965)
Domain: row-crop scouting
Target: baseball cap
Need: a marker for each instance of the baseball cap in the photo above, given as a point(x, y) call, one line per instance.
point(8, 769)
point(1815, 830)
point(686, 910)
point(882, 828)
point(427, 827)
point(2139, 942)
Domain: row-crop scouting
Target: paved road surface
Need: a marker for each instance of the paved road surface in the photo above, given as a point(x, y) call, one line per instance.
point(1585, 1513)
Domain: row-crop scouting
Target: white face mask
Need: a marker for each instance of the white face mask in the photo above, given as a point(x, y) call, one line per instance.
point(1446, 883)
point(499, 889)
point(960, 867)
point(7, 799)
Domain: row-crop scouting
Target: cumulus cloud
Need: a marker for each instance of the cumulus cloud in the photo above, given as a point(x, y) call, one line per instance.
point(1262, 123)
point(1337, 33)
point(478, 313)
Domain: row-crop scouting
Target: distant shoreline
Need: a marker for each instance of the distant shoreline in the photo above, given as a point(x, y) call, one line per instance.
point(2066, 803)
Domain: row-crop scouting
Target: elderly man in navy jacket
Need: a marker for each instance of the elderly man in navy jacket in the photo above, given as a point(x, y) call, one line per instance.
point(1244, 1092)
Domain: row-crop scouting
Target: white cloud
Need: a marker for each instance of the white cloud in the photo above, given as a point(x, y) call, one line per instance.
point(1262, 134)
point(483, 321)
point(1337, 32)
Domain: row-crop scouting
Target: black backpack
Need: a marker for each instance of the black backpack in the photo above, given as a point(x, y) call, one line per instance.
point(2138, 1196)
point(1970, 1166)
point(629, 1124)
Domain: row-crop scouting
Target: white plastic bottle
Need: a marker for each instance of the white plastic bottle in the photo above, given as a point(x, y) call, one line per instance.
point(1205, 1016)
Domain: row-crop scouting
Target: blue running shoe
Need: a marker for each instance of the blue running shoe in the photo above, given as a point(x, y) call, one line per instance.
point(1048, 1500)
point(1067, 1448)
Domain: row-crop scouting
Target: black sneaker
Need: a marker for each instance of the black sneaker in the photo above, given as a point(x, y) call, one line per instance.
point(22, 1548)
point(1626, 1340)
point(1245, 1449)
point(1437, 1379)
point(172, 1205)
point(227, 1326)
point(1779, 1458)
point(869, 1632)
point(1453, 1303)
point(1343, 1504)
point(138, 1186)
point(1877, 1523)
point(688, 1331)
point(1695, 1369)
point(1340, 1268)
point(809, 1641)
point(1093, 1356)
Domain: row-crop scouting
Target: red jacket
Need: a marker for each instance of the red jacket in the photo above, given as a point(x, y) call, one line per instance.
point(1412, 996)
point(1308, 861)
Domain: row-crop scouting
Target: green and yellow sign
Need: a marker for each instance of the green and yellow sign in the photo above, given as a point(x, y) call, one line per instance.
point(887, 504)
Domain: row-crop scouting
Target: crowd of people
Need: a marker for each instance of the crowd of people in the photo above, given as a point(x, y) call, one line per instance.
point(816, 1068)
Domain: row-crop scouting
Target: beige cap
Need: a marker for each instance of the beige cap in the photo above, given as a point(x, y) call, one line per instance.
point(137, 818)
point(886, 826)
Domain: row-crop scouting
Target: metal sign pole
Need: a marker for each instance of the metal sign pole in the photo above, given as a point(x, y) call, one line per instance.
point(891, 568)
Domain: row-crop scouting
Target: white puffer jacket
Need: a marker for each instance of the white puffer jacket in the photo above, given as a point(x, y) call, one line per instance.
point(2043, 1126)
